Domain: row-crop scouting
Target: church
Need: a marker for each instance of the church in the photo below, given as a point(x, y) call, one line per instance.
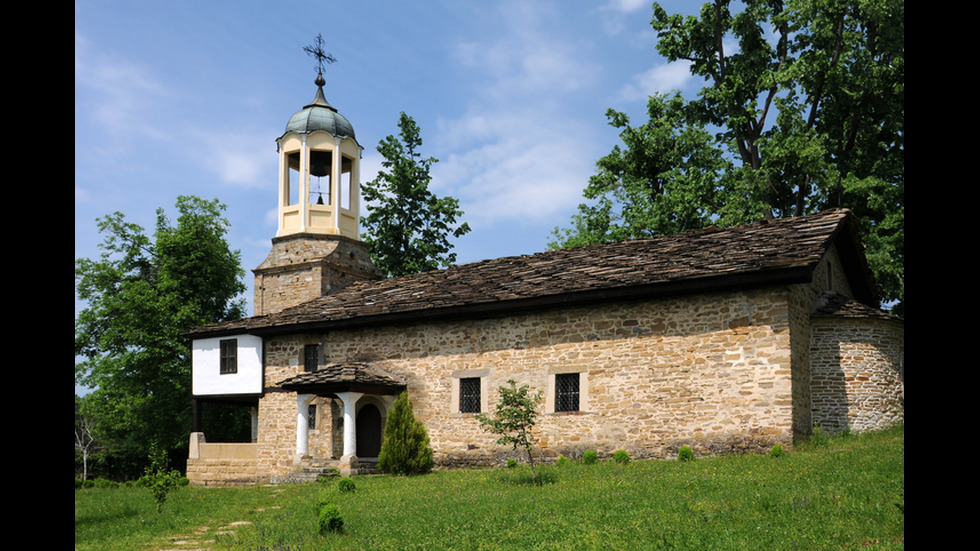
point(725, 340)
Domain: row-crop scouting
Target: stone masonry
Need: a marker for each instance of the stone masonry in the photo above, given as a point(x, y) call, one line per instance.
point(709, 371)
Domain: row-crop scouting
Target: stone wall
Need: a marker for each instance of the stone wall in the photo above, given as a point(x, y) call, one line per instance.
point(709, 371)
point(828, 275)
point(221, 464)
point(858, 373)
point(302, 267)
point(223, 472)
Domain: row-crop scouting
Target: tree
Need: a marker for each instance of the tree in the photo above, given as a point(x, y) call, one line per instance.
point(86, 442)
point(514, 419)
point(408, 227)
point(405, 449)
point(141, 294)
point(803, 109)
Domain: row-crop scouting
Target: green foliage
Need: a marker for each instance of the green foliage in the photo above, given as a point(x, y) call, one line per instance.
point(408, 227)
point(103, 483)
point(346, 486)
point(589, 457)
point(330, 520)
point(802, 109)
point(160, 480)
point(562, 461)
point(511, 463)
point(621, 457)
point(140, 295)
point(777, 451)
point(514, 419)
point(685, 453)
point(819, 437)
point(405, 449)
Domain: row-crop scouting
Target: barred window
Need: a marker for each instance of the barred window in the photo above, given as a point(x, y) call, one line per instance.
point(311, 353)
point(229, 356)
point(566, 391)
point(311, 417)
point(469, 395)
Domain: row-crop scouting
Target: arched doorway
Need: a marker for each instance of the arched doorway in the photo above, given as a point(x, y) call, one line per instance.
point(368, 431)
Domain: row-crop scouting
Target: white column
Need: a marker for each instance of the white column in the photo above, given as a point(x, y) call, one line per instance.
point(335, 183)
point(304, 185)
point(302, 426)
point(284, 184)
point(350, 428)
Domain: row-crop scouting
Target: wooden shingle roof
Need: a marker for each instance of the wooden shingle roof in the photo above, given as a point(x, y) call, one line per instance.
point(775, 252)
point(348, 376)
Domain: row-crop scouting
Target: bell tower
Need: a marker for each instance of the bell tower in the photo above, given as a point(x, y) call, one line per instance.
point(317, 248)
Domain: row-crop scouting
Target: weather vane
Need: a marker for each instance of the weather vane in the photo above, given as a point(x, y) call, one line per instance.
point(320, 55)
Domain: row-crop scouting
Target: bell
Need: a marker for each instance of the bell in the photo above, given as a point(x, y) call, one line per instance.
point(320, 163)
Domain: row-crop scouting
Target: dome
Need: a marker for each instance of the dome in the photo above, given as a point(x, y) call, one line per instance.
point(320, 115)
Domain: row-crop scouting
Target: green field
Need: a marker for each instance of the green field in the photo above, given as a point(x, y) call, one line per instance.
point(846, 493)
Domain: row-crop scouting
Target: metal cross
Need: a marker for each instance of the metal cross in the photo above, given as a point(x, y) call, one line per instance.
point(320, 55)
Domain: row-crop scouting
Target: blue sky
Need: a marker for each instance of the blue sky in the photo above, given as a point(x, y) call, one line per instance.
point(187, 98)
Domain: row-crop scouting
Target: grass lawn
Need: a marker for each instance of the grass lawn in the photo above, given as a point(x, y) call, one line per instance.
point(847, 493)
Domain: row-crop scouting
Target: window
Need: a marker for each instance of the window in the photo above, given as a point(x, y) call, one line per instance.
point(567, 392)
point(311, 361)
point(469, 395)
point(311, 417)
point(229, 356)
point(469, 391)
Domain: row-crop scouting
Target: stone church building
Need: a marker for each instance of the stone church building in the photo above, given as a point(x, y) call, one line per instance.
point(724, 340)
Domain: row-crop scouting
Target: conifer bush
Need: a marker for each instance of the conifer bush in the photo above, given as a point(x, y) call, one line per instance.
point(621, 457)
point(589, 457)
point(685, 453)
point(330, 519)
point(406, 447)
point(346, 485)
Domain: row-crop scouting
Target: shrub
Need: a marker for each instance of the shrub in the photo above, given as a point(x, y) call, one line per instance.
point(346, 485)
point(820, 436)
point(777, 451)
point(563, 460)
point(514, 419)
point(621, 457)
point(158, 479)
point(406, 444)
point(589, 457)
point(330, 519)
point(511, 463)
point(685, 453)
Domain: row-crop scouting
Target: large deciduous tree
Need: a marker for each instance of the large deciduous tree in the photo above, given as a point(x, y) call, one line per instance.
point(408, 227)
point(140, 295)
point(802, 109)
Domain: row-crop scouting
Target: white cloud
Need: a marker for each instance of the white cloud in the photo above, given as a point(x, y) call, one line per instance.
point(519, 153)
point(659, 79)
point(628, 6)
point(119, 96)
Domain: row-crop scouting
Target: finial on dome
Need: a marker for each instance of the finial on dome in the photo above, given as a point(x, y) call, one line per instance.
point(320, 55)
